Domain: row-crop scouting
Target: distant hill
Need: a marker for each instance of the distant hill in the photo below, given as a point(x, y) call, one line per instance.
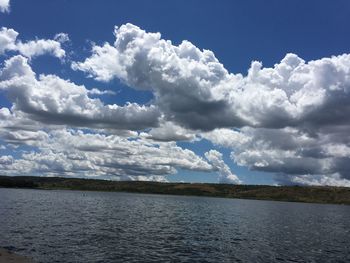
point(312, 194)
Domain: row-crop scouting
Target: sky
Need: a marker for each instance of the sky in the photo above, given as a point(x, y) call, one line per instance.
point(241, 92)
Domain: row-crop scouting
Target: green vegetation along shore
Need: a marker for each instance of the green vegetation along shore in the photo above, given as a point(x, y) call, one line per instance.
point(311, 194)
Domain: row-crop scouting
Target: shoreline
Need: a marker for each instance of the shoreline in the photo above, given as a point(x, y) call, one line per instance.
point(300, 194)
point(7, 256)
point(175, 194)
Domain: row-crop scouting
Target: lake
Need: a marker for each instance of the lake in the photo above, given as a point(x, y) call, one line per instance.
point(77, 226)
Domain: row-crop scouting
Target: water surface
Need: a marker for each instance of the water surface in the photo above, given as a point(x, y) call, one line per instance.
point(75, 226)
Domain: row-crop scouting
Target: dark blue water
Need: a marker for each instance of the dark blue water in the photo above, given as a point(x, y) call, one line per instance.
point(74, 226)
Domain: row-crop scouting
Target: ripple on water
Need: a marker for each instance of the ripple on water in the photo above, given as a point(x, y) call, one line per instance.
point(73, 226)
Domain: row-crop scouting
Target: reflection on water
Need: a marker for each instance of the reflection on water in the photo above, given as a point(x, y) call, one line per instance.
point(74, 226)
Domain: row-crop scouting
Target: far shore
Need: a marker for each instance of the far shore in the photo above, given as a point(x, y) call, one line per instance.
point(306, 194)
point(7, 256)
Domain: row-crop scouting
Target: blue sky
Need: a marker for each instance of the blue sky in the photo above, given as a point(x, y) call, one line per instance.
point(237, 32)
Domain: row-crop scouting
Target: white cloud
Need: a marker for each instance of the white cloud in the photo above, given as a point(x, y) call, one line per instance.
point(225, 174)
point(16, 129)
point(62, 37)
point(195, 90)
point(6, 160)
point(8, 38)
point(75, 153)
point(168, 131)
point(320, 180)
point(39, 47)
point(294, 156)
point(290, 119)
point(103, 64)
point(4, 6)
point(95, 91)
point(50, 99)
point(33, 48)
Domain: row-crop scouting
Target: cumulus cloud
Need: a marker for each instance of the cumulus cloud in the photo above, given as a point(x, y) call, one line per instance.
point(180, 77)
point(291, 119)
point(293, 155)
point(58, 151)
point(4, 6)
point(168, 131)
point(50, 99)
point(225, 174)
point(39, 47)
point(195, 90)
point(7, 39)
point(33, 48)
point(75, 153)
point(16, 129)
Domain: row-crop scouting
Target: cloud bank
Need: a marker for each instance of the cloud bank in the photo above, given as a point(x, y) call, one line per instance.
point(194, 89)
point(75, 153)
point(291, 119)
